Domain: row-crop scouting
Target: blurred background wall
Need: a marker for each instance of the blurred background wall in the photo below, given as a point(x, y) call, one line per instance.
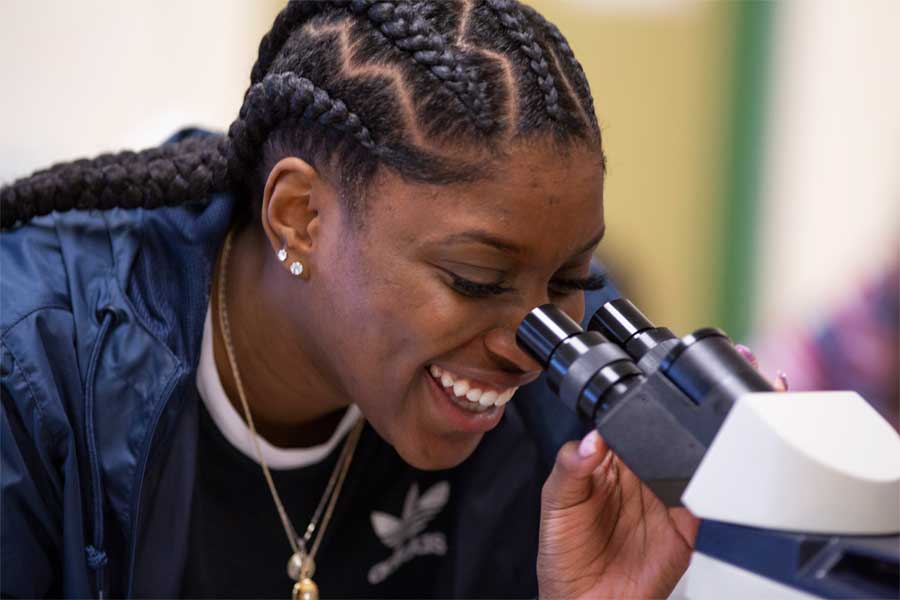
point(79, 78)
point(753, 146)
point(659, 74)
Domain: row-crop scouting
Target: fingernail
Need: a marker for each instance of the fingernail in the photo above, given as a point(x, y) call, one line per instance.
point(747, 353)
point(588, 446)
point(783, 377)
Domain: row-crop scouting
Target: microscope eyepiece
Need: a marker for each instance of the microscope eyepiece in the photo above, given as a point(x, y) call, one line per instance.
point(619, 320)
point(543, 330)
point(574, 359)
point(622, 322)
point(657, 400)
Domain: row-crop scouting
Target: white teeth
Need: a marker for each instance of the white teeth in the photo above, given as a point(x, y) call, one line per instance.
point(462, 388)
point(488, 398)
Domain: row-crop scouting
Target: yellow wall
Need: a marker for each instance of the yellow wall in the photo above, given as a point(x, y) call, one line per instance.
point(81, 78)
point(660, 81)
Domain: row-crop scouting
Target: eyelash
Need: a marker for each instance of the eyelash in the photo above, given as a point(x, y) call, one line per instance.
point(477, 290)
point(562, 286)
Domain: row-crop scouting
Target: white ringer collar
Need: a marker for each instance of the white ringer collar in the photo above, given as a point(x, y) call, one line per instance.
point(236, 431)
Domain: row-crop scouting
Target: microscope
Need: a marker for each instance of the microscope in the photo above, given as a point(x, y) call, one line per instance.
point(798, 492)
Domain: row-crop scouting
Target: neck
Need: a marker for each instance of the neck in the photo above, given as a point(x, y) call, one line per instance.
point(288, 402)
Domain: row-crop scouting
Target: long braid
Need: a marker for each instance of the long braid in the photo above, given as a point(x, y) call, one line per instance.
point(188, 170)
point(310, 97)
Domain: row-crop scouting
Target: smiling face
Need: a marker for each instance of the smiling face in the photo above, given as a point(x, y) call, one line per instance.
point(412, 314)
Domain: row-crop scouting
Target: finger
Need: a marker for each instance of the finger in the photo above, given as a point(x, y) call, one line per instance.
point(781, 381)
point(748, 355)
point(571, 481)
point(686, 524)
point(780, 384)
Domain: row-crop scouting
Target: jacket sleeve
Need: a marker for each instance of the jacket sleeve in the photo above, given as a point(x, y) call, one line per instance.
point(30, 509)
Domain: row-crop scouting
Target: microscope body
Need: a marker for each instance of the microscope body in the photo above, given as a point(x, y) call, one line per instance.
point(799, 496)
point(798, 493)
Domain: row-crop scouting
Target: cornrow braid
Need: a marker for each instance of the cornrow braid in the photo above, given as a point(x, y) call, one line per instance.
point(513, 21)
point(284, 96)
point(325, 99)
point(177, 173)
point(290, 17)
point(584, 89)
point(404, 24)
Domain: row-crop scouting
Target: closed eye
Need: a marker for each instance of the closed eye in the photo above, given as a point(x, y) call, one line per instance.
point(474, 289)
point(593, 282)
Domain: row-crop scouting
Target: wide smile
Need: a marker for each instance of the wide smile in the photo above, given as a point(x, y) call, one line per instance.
point(468, 405)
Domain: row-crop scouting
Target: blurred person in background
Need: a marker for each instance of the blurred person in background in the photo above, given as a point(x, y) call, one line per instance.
point(856, 347)
point(292, 370)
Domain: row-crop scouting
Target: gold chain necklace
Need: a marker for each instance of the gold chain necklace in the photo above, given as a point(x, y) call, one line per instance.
point(301, 565)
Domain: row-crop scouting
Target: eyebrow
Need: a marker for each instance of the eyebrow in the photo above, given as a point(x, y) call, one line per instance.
point(489, 239)
point(482, 237)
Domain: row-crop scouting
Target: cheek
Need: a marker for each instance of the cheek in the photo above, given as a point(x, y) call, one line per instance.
point(572, 305)
point(418, 316)
point(384, 313)
point(406, 307)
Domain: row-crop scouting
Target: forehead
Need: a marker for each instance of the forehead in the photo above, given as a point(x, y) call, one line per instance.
point(543, 199)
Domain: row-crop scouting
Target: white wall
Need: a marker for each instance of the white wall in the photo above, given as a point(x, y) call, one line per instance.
point(81, 77)
point(830, 209)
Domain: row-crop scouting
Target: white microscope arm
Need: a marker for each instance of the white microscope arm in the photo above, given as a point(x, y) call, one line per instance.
point(811, 479)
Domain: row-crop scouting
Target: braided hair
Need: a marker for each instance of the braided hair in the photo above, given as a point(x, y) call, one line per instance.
point(430, 89)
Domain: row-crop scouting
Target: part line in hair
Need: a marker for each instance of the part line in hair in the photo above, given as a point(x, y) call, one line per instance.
point(517, 27)
point(368, 70)
point(563, 45)
point(512, 97)
point(569, 89)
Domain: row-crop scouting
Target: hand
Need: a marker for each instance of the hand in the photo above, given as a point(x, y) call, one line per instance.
point(603, 532)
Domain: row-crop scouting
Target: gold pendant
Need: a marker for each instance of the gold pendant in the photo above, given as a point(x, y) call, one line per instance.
point(305, 589)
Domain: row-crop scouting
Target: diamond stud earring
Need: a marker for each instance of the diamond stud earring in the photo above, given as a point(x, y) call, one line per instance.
point(282, 255)
point(296, 268)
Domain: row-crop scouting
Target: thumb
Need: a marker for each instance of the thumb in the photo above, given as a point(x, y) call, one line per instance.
point(570, 483)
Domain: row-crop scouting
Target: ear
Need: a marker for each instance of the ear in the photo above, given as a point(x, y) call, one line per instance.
point(290, 209)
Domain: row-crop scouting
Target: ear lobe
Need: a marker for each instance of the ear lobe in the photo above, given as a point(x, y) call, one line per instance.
point(289, 212)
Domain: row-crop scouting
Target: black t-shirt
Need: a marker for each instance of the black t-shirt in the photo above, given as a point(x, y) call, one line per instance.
point(396, 531)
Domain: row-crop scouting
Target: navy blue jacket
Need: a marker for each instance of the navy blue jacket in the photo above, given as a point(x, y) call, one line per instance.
point(101, 321)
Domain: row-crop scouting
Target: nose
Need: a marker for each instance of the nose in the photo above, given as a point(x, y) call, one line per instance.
point(505, 352)
point(500, 342)
point(501, 345)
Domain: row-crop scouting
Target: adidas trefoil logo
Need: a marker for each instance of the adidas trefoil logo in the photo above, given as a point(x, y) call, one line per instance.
point(403, 535)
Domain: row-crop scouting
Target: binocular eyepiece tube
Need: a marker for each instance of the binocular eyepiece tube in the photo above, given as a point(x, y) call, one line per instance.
point(583, 367)
point(657, 400)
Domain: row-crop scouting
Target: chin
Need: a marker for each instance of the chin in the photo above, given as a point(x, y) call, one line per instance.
point(437, 454)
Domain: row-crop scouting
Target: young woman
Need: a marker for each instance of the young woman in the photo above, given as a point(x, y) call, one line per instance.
point(305, 353)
